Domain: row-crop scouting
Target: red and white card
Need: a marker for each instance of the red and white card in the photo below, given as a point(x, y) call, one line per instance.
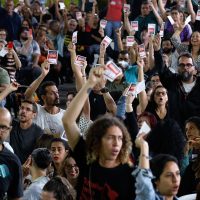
point(198, 15)
point(141, 51)
point(130, 40)
point(127, 7)
point(74, 37)
point(151, 29)
point(134, 25)
point(80, 60)
point(161, 33)
point(106, 41)
point(52, 56)
point(78, 15)
point(112, 71)
point(131, 90)
point(103, 23)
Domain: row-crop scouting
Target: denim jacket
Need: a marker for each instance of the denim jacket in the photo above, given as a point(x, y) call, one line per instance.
point(144, 186)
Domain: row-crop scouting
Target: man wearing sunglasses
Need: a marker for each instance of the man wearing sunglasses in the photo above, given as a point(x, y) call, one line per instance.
point(183, 87)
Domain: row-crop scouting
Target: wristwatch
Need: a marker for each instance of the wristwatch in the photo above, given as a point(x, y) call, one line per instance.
point(104, 90)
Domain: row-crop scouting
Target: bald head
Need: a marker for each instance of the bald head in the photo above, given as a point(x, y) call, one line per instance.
point(4, 112)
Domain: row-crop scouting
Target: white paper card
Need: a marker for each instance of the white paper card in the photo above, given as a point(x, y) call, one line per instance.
point(63, 136)
point(80, 60)
point(198, 15)
point(131, 90)
point(52, 56)
point(3, 52)
point(188, 20)
point(126, 7)
point(151, 29)
point(140, 86)
point(182, 3)
point(141, 51)
point(171, 20)
point(130, 40)
point(74, 37)
point(106, 41)
point(112, 71)
point(62, 5)
point(78, 15)
point(161, 33)
point(134, 25)
point(144, 129)
point(103, 23)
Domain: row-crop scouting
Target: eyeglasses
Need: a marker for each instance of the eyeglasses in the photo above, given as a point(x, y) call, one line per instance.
point(188, 65)
point(4, 128)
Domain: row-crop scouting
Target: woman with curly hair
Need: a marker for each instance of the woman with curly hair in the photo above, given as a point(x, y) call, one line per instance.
point(103, 158)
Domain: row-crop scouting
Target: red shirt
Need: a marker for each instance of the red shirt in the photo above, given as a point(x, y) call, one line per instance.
point(114, 12)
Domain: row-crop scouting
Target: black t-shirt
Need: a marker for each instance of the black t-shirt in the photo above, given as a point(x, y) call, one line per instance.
point(23, 141)
point(103, 183)
point(97, 105)
point(10, 175)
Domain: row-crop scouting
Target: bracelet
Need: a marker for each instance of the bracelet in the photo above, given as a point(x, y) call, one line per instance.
point(128, 104)
point(145, 156)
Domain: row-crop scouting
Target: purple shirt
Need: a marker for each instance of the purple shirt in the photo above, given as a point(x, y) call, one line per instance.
point(185, 34)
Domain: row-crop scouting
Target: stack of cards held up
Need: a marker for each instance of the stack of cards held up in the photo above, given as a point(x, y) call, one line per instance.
point(145, 129)
point(141, 51)
point(106, 41)
point(80, 60)
point(198, 15)
point(62, 5)
point(126, 8)
point(130, 40)
point(3, 52)
point(151, 29)
point(134, 25)
point(103, 23)
point(78, 15)
point(74, 37)
point(135, 89)
point(161, 33)
point(112, 71)
point(52, 56)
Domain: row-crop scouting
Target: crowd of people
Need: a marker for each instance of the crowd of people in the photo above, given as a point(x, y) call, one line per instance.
point(130, 129)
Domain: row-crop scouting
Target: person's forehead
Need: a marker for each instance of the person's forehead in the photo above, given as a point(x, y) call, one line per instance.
point(185, 59)
point(51, 88)
point(155, 77)
point(26, 105)
point(57, 145)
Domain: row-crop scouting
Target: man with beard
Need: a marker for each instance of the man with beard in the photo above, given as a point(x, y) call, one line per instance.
point(10, 167)
point(170, 55)
point(49, 116)
point(183, 88)
point(29, 53)
point(25, 133)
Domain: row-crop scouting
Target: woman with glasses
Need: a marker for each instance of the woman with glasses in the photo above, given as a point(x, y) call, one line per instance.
point(70, 170)
point(158, 104)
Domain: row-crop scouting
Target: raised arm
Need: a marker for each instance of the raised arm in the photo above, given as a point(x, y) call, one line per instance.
point(191, 10)
point(162, 10)
point(10, 88)
point(155, 12)
point(119, 39)
point(34, 86)
point(102, 53)
point(143, 100)
point(75, 107)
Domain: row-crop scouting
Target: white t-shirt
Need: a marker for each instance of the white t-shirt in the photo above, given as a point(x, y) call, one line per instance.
point(188, 86)
point(51, 123)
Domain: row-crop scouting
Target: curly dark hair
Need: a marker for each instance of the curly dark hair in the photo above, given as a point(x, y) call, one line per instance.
point(167, 138)
point(95, 133)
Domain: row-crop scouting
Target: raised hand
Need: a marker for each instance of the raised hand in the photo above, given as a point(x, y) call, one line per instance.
point(45, 68)
point(96, 75)
point(71, 47)
point(157, 42)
